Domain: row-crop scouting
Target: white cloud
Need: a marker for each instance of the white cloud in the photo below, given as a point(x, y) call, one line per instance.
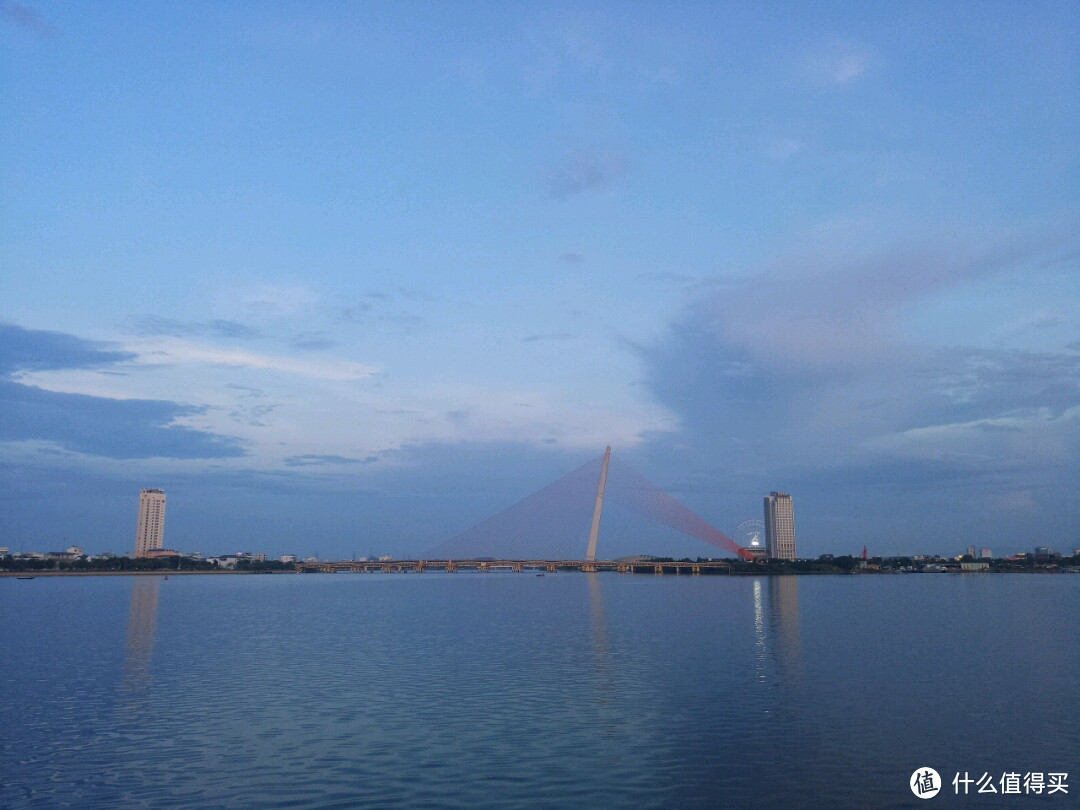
point(780, 149)
point(179, 352)
point(836, 63)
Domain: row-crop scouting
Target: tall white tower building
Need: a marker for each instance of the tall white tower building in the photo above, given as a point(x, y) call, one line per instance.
point(150, 533)
point(779, 526)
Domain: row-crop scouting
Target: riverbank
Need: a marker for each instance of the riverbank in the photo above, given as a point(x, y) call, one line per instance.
point(158, 573)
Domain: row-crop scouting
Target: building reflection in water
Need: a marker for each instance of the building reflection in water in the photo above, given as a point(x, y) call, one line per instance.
point(776, 629)
point(142, 623)
point(761, 646)
point(784, 621)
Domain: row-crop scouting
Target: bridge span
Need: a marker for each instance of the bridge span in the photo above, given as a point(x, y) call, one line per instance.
point(643, 566)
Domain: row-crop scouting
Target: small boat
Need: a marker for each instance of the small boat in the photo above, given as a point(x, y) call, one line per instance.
point(27, 576)
point(539, 575)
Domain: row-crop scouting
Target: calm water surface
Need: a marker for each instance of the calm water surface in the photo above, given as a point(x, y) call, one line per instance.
point(512, 690)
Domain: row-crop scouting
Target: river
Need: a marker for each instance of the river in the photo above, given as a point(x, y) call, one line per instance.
point(515, 690)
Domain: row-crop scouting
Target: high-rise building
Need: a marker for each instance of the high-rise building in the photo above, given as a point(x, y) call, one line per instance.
point(150, 533)
point(779, 526)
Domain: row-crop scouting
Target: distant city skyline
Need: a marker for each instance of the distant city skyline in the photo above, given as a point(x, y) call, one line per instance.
point(358, 276)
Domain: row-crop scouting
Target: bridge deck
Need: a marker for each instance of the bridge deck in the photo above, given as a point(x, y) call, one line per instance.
point(488, 565)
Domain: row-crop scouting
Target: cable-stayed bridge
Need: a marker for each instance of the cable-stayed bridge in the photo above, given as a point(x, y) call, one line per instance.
point(562, 521)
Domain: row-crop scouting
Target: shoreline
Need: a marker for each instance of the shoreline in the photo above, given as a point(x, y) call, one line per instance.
point(35, 574)
point(164, 574)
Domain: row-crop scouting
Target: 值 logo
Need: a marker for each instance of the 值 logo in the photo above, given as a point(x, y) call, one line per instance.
point(925, 783)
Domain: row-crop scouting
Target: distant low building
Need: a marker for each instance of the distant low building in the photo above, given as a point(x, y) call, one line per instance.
point(73, 553)
point(156, 553)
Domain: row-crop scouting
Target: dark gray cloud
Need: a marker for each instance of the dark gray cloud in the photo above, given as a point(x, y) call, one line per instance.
point(314, 460)
point(313, 341)
point(584, 171)
point(390, 307)
point(122, 429)
point(36, 350)
point(767, 411)
point(27, 18)
point(169, 327)
point(253, 414)
point(958, 385)
point(548, 337)
point(458, 416)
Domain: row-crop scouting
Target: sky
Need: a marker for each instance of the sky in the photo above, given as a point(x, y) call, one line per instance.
point(349, 278)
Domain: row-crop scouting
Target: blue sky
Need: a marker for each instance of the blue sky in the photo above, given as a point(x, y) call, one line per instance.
point(350, 278)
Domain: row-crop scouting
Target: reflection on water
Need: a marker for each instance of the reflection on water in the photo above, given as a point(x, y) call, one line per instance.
point(776, 637)
point(761, 647)
point(601, 645)
point(784, 621)
point(142, 622)
point(601, 651)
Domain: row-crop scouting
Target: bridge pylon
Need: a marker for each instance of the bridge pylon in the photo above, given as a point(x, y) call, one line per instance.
point(594, 532)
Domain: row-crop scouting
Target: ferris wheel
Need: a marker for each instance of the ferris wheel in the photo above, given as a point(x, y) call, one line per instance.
point(750, 534)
